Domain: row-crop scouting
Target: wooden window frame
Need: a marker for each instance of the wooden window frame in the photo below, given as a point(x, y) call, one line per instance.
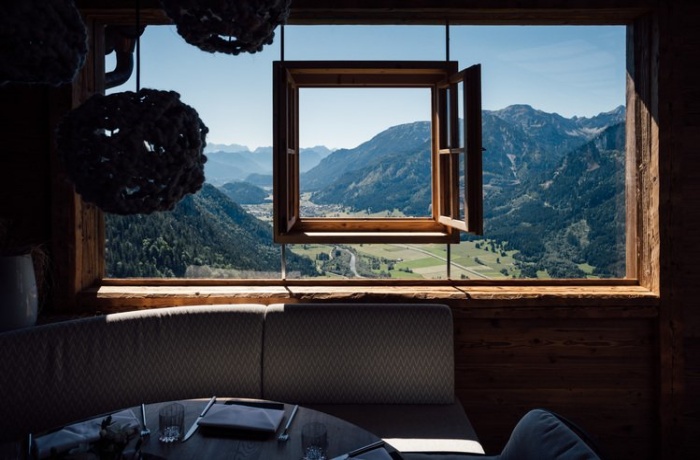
point(451, 147)
point(78, 228)
point(442, 79)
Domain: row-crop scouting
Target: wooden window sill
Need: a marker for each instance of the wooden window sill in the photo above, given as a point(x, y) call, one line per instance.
point(477, 301)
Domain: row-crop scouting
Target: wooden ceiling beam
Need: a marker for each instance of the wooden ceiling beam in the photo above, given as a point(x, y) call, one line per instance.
point(472, 12)
point(438, 11)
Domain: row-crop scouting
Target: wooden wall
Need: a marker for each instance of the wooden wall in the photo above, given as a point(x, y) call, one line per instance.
point(597, 372)
point(686, 219)
point(629, 376)
point(24, 164)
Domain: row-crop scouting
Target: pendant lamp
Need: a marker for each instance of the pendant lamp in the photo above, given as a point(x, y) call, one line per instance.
point(133, 152)
point(227, 26)
point(41, 41)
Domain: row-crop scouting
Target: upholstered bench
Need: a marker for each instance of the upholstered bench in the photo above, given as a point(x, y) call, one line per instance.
point(388, 368)
point(61, 372)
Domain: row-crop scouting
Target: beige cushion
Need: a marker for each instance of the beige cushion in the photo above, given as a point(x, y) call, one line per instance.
point(359, 353)
point(62, 372)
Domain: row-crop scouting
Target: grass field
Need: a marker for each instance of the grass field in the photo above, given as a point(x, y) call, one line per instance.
point(477, 259)
point(480, 259)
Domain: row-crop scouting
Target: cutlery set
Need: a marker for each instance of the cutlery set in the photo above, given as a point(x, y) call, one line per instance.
point(144, 430)
point(195, 425)
point(284, 436)
point(361, 450)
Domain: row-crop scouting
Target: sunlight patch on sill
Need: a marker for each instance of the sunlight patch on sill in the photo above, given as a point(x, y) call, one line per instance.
point(578, 300)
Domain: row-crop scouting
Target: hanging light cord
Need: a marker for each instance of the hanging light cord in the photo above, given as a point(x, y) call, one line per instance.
point(138, 45)
point(282, 42)
point(447, 40)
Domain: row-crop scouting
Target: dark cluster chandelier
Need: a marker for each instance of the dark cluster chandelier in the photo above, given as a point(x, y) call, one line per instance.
point(133, 152)
point(41, 41)
point(227, 26)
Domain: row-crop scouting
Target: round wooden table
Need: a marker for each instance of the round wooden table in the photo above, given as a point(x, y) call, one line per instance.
point(342, 437)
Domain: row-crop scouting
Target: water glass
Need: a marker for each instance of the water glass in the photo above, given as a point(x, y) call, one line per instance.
point(171, 422)
point(314, 441)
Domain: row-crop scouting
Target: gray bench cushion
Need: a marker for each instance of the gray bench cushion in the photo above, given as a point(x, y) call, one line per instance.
point(359, 353)
point(539, 435)
point(99, 364)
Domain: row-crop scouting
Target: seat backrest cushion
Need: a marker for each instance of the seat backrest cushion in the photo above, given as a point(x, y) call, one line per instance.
point(61, 372)
point(359, 353)
point(541, 435)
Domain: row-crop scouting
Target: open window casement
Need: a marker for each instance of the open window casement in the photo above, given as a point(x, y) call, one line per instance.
point(455, 160)
point(459, 151)
point(286, 151)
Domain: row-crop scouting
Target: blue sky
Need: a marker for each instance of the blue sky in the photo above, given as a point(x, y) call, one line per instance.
point(570, 70)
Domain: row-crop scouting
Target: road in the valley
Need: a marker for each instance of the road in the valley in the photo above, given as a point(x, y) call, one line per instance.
point(353, 261)
point(466, 269)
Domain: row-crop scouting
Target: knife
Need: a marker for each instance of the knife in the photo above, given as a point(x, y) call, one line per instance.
point(195, 425)
point(360, 450)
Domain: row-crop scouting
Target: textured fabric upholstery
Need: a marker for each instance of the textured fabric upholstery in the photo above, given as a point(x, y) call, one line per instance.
point(359, 353)
point(62, 372)
point(386, 367)
point(539, 435)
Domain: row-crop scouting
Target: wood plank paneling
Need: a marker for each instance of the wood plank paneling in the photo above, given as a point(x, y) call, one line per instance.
point(618, 420)
point(25, 141)
point(437, 11)
point(691, 408)
point(687, 225)
point(599, 373)
point(478, 11)
point(584, 343)
point(78, 235)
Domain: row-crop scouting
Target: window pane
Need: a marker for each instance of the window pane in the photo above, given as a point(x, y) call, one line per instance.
point(376, 261)
point(388, 175)
point(554, 134)
point(553, 129)
point(365, 43)
point(224, 230)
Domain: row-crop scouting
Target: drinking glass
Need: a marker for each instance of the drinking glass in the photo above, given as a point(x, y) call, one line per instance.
point(171, 422)
point(314, 441)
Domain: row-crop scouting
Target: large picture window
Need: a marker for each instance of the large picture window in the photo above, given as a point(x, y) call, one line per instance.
point(548, 202)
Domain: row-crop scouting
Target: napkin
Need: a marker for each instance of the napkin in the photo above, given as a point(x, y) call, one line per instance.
point(80, 433)
point(243, 418)
point(374, 454)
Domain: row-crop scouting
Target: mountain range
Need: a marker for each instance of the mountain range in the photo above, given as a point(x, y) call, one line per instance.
point(233, 162)
point(206, 229)
point(519, 141)
point(553, 192)
point(553, 186)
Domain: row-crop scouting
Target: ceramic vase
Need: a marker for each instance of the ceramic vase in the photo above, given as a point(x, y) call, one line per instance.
point(19, 297)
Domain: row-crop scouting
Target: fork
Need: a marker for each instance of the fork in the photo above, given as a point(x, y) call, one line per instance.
point(285, 434)
point(144, 431)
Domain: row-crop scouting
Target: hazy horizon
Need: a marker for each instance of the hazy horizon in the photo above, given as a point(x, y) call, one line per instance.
point(260, 147)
